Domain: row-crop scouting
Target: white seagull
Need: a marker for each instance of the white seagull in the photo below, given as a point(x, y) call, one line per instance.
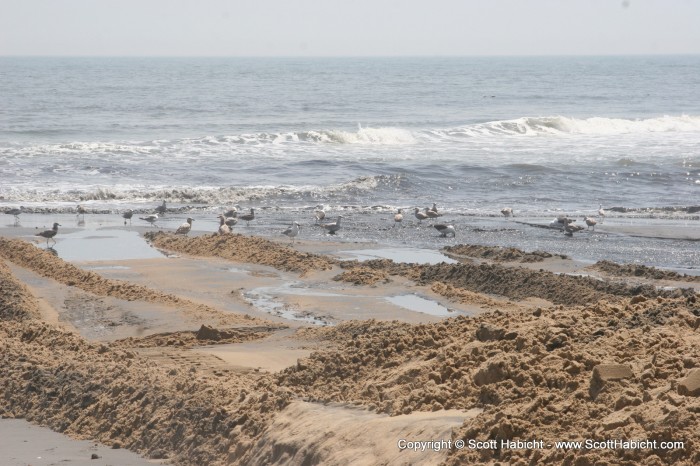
point(292, 231)
point(223, 227)
point(152, 219)
point(49, 234)
point(601, 213)
point(445, 229)
point(590, 222)
point(185, 228)
point(398, 218)
point(331, 228)
point(319, 214)
point(507, 212)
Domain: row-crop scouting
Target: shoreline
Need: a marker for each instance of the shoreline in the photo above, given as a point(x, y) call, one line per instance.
point(218, 351)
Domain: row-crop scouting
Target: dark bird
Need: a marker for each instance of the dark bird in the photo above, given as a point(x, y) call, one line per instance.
point(431, 213)
point(420, 215)
point(248, 217)
point(161, 209)
point(49, 234)
point(128, 213)
point(15, 211)
point(331, 228)
point(445, 229)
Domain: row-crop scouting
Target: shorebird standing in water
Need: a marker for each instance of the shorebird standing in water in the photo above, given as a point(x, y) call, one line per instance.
point(292, 231)
point(128, 213)
point(152, 219)
point(80, 210)
point(49, 234)
point(248, 217)
point(445, 229)
point(15, 211)
point(431, 213)
point(601, 213)
point(590, 222)
point(185, 228)
point(398, 218)
point(507, 212)
point(319, 213)
point(331, 228)
point(420, 215)
point(161, 209)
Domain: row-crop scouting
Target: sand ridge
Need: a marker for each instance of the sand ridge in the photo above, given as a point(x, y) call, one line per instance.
point(48, 265)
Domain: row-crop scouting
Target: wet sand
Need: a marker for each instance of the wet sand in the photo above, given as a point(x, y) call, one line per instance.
point(246, 350)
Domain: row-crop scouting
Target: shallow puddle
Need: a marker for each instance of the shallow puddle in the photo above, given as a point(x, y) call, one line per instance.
point(400, 255)
point(99, 245)
point(419, 304)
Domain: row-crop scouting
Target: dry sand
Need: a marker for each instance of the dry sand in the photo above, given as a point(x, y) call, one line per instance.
point(191, 379)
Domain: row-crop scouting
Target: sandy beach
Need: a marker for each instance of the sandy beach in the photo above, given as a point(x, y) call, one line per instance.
point(241, 349)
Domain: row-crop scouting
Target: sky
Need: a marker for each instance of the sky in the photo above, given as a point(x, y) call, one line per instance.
point(348, 27)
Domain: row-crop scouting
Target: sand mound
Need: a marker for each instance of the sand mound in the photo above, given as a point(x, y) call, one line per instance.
point(533, 373)
point(497, 253)
point(206, 335)
point(15, 301)
point(363, 276)
point(241, 248)
point(49, 266)
point(56, 378)
point(642, 271)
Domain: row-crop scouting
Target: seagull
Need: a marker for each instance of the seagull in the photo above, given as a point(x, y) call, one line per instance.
point(434, 208)
point(319, 214)
point(570, 229)
point(232, 212)
point(248, 217)
point(185, 228)
point(420, 215)
point(152, 219)
point(590, 222)
point(230, 221)
point(601, 213)
point(507, 212)
point(331, 228)
point(49, 234)
point(431, 213)
point(81, 211)
point(224, 229)
point(128, 213)
point(398, 218)
point(292, 231)
point(161, 209)
point(15, 211)
point(445, 229)
point(563, 221)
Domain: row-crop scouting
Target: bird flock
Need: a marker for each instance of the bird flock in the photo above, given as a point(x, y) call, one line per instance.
point(231, 217)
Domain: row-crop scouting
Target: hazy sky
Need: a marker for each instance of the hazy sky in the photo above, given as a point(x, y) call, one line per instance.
point(348, 27)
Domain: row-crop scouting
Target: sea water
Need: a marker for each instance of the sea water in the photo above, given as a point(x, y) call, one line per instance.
point(545, 136)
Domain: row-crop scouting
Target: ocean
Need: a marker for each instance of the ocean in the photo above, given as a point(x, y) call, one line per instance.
point(546, 136)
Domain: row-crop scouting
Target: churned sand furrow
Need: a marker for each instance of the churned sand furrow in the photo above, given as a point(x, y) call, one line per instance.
point(47, 265)
point(543, 374)
point(247, 249)
point(16, 303)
